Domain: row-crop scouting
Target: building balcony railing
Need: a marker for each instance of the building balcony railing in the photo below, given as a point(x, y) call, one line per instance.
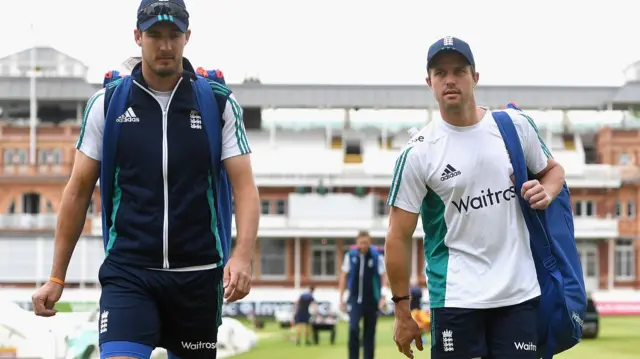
point(27, 222)
point(62, 170)
point(281, 226)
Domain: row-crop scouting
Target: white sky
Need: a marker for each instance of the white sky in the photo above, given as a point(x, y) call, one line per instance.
point(543, 42)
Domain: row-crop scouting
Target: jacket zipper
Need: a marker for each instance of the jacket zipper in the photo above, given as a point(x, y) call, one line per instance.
point(360, 282)
point(165, 172)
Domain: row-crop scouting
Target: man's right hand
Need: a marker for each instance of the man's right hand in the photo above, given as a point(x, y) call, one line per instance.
point(406, 330)
point(343, 306)
point(45, 298)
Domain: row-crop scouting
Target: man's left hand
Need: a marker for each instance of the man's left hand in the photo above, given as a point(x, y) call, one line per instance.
point(237, 278)
point(381, 304)
point(534, 193)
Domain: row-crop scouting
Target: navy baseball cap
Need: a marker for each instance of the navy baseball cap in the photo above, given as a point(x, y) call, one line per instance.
point(450, 43)
point(151, 12)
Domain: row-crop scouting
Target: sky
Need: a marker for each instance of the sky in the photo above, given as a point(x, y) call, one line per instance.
point(543, 42)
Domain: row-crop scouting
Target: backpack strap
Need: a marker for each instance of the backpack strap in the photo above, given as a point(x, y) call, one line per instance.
point(211, 112)
point(521, 174)
point(541, 248)
point(221, 93)
point(115, 102)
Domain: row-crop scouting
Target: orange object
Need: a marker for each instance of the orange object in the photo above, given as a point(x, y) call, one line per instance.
point(56, 280)
point(423, 318)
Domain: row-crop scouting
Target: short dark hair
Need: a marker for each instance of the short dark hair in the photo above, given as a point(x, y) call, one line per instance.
point(363, 233)
point(312, 288)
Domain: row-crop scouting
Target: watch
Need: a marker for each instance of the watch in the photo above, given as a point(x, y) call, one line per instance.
point(398, 299)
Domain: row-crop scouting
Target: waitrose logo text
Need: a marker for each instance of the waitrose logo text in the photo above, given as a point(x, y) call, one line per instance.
point(198, 345)
point(487, 198)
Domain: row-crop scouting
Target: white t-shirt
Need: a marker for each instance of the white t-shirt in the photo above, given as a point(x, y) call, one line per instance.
point(476, 241)
point(90, 140)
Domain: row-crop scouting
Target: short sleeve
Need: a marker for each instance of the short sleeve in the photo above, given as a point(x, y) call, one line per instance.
point(346, 264)
point(408, 187)
point(536, 152)
point(234, 135)
point(90, 139)
point(381, 268)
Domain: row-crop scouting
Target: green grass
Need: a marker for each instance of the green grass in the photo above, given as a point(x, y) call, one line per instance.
point(619, 338)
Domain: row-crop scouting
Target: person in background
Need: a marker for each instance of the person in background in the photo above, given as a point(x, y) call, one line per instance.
point(302, 317)
point(363, 274)
point(415, 305)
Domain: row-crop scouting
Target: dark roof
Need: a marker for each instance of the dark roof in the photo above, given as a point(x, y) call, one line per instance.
point(629, 94)
point(252, 94)
point(47, 88)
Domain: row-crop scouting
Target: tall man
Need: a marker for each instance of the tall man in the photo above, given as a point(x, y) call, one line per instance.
point(162, 279)
point(363, 273)
point(456, 174)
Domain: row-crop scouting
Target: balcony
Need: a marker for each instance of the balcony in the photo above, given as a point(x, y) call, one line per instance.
point(595, 228)
point(28, 171)
point(280, 226)
point(369, 174)
point(28, 222)
point(45, 223)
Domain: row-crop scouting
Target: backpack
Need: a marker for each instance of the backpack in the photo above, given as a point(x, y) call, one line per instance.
point(211, 98)
point(563, 301)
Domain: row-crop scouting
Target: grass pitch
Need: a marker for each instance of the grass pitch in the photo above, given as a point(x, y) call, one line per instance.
point(619, 338)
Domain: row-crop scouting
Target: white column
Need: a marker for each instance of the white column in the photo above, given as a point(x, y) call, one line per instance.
point(296, 263)
point(33, 107)
point(611, 269)
point(79, 112)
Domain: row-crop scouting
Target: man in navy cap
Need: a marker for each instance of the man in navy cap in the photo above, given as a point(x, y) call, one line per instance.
point(456, 174)
point(162, 279)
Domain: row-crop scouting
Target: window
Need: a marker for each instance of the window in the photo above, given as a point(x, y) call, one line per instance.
point(281, 207)
point(16, 156)
point(31, 203)
point(585, 208)
point(56, 156)
point(265, 206)
point(43, 155)
point(12, 207)
point(618, 209)
point(625, 159)
point(49, 207)
point(381, 207)
point(631, 209)
point(323, 259)
point(90, 209)
point(591, 264)
point(624, 260)
point(273, 260)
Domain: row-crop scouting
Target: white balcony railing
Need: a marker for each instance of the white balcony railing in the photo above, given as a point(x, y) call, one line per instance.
point(280, 226)
point(28, 221)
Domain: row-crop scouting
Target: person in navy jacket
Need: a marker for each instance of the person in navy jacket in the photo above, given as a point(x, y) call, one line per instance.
point(363, 275)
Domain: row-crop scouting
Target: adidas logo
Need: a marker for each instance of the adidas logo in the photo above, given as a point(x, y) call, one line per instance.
point(449, 172)
point(128, 116)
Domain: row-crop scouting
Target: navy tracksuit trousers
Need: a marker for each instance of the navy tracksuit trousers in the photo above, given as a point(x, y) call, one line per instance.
point(369, 315)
